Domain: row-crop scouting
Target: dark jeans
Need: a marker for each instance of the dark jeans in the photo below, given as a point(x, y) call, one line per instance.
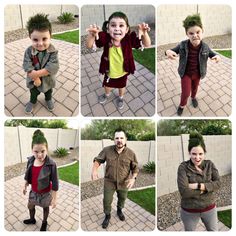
point(34, 94)
point(108, 197)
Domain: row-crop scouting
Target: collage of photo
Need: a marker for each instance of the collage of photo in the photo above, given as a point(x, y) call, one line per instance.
point(117, 118)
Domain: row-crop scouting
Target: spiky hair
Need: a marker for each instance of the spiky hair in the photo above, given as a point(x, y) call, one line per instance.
point(192, 20)
point(196, 139)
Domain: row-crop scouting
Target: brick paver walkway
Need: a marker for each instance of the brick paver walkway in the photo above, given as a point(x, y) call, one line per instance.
point(136, 218)
point(180, 227)
point(214, 94)
point(65, 217)
point(66, 93)
point(139, 97)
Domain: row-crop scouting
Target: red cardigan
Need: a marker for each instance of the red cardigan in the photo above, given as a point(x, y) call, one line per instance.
point(127, 43)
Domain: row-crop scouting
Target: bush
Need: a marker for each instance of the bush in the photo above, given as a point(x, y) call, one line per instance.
point(61, 152)
point(66, 17)
point(149, 167)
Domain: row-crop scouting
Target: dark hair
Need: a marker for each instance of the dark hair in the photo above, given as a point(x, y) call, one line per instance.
point(120, 130)
point(196, 139)
point(40, 23)
point(192, 20)
point(38, 138)
point(117, 14)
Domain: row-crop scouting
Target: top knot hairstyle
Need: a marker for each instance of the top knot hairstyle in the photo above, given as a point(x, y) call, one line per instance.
point(39, 138)
point(39, 22)
point(117, 14)
point(192, 20)
point(196, 139)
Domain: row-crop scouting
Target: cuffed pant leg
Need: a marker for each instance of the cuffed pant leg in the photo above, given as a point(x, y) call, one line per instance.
point(121, 195)
point(107, 200)
point(190, 220)
point(210, 220)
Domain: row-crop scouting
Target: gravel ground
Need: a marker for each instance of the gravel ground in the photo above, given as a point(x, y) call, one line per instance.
point(168, 205)
point(14, 35)
point(94, 188)
point(216, 42)
point(85, 50)
point(19, 169)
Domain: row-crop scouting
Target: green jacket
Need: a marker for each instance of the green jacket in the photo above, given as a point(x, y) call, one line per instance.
point(192, 199)
point(50, 63)
point(118, 166)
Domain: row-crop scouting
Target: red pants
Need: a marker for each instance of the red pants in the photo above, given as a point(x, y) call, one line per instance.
point(189, 85)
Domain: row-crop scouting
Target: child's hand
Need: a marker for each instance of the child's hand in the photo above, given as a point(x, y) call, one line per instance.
point(33, 74)
point(53, 203)
point(24, 190)
point(93, 30)
point(37, 82)
point(216, 58)
point(171, 54)
point(143, 28)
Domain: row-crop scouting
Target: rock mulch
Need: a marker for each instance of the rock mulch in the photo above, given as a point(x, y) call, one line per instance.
point(94, 188)
point(168, 206)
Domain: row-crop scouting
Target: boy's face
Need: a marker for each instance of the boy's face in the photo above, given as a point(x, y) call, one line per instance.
point(40, 40)
point(195, 35)
point(117, 28)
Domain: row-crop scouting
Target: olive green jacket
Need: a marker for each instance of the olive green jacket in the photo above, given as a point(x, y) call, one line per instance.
point(193, 199)
point(118, 166)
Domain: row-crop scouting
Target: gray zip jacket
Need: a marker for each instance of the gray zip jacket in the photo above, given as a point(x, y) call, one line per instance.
point(192, 198)
point(182, 50)
point(50, 63)
point(47, 174)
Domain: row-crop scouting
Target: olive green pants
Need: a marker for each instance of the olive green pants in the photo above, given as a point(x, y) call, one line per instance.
point(108, 198)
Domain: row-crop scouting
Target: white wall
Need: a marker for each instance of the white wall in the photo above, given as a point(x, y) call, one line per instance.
point(17, 142)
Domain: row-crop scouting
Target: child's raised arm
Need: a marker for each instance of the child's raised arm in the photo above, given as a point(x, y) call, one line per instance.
point(93, 31)
point(143, 34)
point(171, 54)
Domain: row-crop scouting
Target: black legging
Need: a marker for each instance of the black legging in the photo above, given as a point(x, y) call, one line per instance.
point(45, 213)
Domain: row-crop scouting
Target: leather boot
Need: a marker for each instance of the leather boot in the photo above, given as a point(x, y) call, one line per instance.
point(120, 214)
point(106, 221)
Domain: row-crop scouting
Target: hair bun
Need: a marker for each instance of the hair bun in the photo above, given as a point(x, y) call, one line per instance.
point(38, 132)
point(196, 139)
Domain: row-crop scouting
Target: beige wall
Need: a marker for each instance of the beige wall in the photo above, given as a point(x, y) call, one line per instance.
point(145, 151)
point(172, 150)
point(216, 19)
point(17, 143)
point(97, 14)
point(16, 16)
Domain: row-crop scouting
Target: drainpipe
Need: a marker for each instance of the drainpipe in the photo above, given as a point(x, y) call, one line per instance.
point(21, 17)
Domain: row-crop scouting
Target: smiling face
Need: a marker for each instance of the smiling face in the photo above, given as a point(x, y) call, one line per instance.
point(120, 140)
point(40, 152)
point(197, 155)
point(195, 35)
point(40, 40)
point(117, 28)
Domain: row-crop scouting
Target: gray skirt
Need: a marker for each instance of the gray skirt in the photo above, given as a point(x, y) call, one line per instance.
point(40, 199)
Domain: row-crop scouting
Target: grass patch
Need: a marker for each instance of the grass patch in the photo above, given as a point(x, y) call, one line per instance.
point(70, 173)
point(71, 36)
point(146, 58)
point(226, 53)
point(144, 198)
point(225, 217)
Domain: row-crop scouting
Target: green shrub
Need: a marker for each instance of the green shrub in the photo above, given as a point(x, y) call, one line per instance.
point(61, 152)
point(66, 17)
point(149, 167)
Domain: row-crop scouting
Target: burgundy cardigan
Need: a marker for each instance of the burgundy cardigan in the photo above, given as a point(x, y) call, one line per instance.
point(127, 43)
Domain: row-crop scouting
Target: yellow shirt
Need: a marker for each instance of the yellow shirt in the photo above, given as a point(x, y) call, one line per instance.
point(116, 61)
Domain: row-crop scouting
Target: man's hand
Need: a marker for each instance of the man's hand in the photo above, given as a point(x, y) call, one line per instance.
point(94, 175)
point(130, 183)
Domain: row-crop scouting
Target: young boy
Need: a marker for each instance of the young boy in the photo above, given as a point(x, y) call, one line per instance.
point(40, 61)
point(193, 56)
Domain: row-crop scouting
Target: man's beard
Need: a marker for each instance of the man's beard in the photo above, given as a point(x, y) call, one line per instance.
point(119, 145)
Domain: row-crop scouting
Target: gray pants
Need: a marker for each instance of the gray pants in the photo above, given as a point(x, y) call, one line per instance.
point(209, 219)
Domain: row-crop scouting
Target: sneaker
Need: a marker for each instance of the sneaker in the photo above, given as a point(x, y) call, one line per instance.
point(44, 226)
point(195, 102)
point(50, 105)
point(29, 107)
point(102, 99)
point(29, 221)
point(120, 103)
point(180, 111)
